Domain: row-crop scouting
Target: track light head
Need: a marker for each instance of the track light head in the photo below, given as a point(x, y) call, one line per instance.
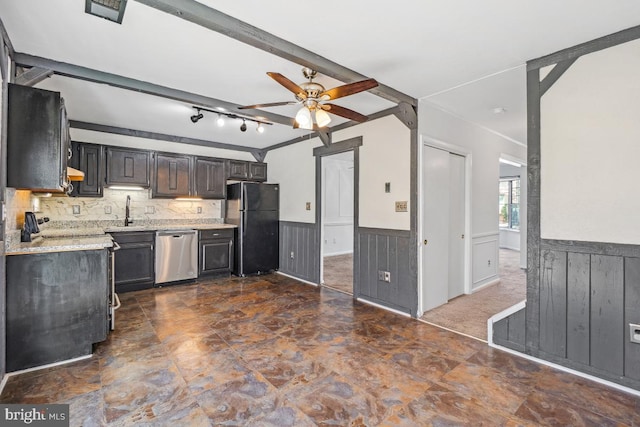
point(243, 126)
point(197, 117)
point(260, 128)
point(220, 121)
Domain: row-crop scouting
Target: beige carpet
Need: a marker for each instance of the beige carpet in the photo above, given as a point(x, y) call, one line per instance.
point(469, 313)
point(338, 272)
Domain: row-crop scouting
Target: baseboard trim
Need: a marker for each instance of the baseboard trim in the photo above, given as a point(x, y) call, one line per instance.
point(568, 370)
point(297, 278)
point(338, 253)
point(491, 282)
point(38, 368)
point(365, 301)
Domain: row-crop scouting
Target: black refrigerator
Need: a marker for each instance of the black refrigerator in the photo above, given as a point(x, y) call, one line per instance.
point(254, 208)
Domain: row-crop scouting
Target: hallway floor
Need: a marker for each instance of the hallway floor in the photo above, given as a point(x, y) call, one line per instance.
point(338, 272)
point(468, 314)
point(270, 351)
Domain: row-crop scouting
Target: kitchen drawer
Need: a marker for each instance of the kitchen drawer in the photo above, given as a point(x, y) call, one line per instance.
point(226, 233)
point(133, 236)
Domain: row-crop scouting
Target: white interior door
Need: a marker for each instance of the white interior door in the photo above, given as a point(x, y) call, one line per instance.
point(435, 254)
point(456, 225)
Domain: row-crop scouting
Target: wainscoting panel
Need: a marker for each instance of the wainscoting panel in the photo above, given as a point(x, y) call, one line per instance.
point(485, 259)
point(589, 293)
point(385, 250)
point(299, 239)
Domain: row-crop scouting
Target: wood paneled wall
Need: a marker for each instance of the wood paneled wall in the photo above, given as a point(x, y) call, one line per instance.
point(301, 239)
point(589, 293)
point(386, 250)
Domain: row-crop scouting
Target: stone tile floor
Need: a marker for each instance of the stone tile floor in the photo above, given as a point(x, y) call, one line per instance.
point(270, 351)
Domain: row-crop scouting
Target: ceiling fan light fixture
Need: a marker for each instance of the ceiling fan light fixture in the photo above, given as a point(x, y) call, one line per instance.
point(220, 121)
point(322, 118)
point(303, 117)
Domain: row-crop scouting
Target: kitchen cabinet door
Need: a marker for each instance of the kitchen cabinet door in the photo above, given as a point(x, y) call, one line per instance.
point(128, 167)
point(211, 180)
point(134, 261)
point(89, 158)
point(37, 140)
point(172, 175)
point(257, 172)
point(215, 252)
point(238, 169)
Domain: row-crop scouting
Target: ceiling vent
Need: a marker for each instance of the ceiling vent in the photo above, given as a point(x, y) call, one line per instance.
point(113, 10)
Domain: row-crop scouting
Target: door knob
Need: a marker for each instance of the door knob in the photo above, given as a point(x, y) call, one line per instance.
point(426, 241)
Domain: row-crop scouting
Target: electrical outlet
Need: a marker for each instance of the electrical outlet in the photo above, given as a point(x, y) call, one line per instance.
point(76, 209)
point(199, 209)
point(634, 331)
point(387, 187)
point(401, 206)
point(292, 255)
point(149, 209)
point(107, 209)
point(384, 276)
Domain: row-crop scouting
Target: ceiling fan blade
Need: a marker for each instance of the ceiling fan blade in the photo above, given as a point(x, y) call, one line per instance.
point(271, 104)
point(288, 84)
point(345, 112)
point(348, 89)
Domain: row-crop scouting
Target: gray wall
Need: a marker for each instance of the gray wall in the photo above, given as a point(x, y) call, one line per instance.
point(300, 239)
point(588, 295)
point(387, 250)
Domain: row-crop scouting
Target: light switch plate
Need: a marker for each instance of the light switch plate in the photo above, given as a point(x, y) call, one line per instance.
point(150, 209)
point(634, 332)
point(308, 206)
point(401, 206)
point(107, 209)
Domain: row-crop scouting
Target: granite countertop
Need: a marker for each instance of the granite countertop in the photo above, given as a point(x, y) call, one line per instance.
point(42, 244)
point(89, 238)
point(120, 228)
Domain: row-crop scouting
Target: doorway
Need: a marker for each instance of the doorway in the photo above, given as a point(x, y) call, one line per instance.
point(337, 221)
point(444, 199)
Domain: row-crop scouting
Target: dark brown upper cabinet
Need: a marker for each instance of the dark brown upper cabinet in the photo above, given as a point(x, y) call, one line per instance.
point(211, 179)
point(128, 167)
point(172, 175)
point(247, 171)
point(89, 158)
point(257, 171)
point(38, 144)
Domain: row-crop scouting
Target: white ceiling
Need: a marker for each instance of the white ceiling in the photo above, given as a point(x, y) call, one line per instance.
point(464, 56)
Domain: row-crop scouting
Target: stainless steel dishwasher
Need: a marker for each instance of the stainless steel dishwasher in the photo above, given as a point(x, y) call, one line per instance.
point(176, 255)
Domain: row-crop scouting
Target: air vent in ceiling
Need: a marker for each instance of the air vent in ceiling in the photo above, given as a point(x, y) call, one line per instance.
point(113, 10)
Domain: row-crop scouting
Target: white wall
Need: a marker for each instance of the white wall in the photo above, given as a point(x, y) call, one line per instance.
point(485, 148)
point(384, 157)
point(589, 168)
point(337, 204)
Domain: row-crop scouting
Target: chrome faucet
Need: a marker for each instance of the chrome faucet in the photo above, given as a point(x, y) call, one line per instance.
point(127, 213)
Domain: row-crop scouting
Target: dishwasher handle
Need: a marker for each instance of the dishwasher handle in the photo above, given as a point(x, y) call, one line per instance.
point(176, 234)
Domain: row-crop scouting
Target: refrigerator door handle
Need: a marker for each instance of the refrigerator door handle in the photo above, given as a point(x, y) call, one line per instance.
point(244, 223)
point(243, 198)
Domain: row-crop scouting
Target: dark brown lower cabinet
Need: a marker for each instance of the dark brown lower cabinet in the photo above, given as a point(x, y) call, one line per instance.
point(57, 306)
point(215, 252)
point(134, 261)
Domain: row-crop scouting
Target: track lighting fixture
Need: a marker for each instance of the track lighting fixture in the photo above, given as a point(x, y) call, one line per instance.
point(220, 121)
point(197, 117)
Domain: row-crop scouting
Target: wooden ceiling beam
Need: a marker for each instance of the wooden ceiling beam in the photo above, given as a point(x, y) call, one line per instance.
point(96, 76)
point(212, 19)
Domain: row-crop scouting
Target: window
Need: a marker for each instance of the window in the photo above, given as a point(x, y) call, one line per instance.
point(509, 203)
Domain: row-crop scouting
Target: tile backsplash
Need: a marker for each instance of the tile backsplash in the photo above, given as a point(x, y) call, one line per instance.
point(110, 207)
